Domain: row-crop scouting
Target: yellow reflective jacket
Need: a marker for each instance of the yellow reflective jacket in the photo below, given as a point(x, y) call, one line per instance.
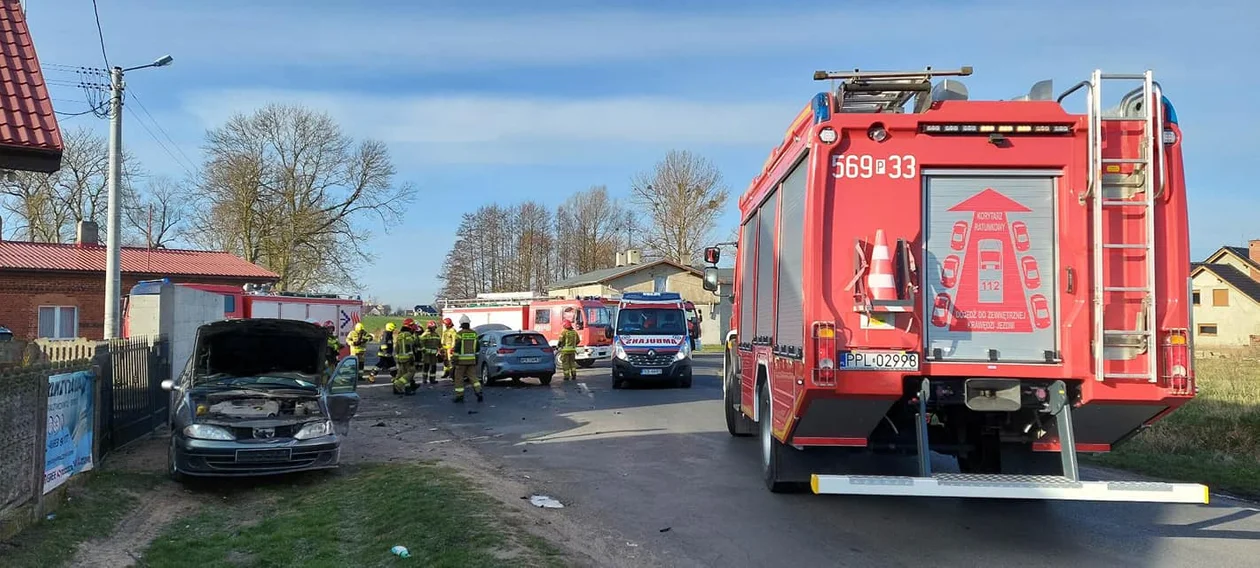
point(569, 341)
point(448, 338)
point(404, 345)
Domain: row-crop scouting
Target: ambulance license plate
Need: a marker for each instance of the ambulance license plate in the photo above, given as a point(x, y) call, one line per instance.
point(879, 361)
point(651, 371)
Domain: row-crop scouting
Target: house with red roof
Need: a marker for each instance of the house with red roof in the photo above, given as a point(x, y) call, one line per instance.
point(57, 291)
point(29, 137)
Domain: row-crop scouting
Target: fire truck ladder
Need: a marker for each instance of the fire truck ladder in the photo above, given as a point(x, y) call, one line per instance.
point(1112, 191)
point(883, 91)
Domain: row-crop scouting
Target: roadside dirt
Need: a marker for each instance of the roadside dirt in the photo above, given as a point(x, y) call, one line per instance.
point(385, 431)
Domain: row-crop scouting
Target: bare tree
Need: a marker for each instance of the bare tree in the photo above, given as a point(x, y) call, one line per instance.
point(48, 206)
point(160, 213)
point(588, 225)
point(684, 194)
point(285, 188)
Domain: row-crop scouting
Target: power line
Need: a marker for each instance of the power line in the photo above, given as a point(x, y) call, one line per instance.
point(99, 33)
point(189, 161)
point(160, 144)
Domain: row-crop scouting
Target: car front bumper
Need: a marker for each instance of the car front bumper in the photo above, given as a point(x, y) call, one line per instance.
point(215, 458)
point(622, 369)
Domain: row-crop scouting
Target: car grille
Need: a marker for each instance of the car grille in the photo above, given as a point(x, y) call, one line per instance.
point(645, 360)
point(250, 434)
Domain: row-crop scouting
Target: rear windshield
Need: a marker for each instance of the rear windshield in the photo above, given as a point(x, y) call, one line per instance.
point(524, 340)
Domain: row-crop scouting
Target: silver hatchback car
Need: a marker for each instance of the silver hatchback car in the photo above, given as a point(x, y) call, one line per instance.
point(515, 354)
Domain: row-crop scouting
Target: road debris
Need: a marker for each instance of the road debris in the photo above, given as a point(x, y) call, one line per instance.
point(545, 502)
point(400, 551)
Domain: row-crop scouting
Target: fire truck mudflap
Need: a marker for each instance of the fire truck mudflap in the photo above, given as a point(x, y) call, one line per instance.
point(990, 257)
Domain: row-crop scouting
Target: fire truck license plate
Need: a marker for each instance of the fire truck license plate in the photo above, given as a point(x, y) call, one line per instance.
point(879, 361)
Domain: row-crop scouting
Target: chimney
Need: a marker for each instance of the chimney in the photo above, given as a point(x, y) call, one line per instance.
point(1253, 252)
point(634, 256)
point(621, 259)
point(87, 234)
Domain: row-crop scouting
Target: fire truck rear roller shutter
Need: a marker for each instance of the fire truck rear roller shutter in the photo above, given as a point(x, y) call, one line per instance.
point(746, 291)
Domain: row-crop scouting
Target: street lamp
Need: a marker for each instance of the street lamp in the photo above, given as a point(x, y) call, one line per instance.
point(113, 262)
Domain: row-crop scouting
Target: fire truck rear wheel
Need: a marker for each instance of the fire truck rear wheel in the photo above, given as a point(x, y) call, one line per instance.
point(736, 423)
point(772, 451)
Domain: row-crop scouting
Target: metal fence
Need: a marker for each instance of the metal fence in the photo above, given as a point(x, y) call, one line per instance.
point(129, 404)
point(132, 399)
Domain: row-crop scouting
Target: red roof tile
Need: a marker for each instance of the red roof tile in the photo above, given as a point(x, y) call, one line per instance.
point(26, 112)
point(15, 255)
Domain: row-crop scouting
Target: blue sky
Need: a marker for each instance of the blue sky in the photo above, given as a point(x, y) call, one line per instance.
point(512, 100)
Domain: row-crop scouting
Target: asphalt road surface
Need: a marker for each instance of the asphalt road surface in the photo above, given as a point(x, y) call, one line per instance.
point(655, 467)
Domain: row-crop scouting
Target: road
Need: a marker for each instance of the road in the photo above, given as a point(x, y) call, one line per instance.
point(642, 460)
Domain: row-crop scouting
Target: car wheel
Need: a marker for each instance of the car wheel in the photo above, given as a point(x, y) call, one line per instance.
point(686, 381)
point(616, 381)
point(586, 363)
point(172, 469)
point(545, 380)
point(485, 375)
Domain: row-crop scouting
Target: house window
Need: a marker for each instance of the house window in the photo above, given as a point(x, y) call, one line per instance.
point(660, 284)
point(58, 322)
point(1220, 297)
point(229, 303)
point(1207, 329)
point(542, 316)
point(1194, 297)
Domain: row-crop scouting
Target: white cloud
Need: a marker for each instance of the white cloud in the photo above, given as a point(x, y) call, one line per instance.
point(503, 129)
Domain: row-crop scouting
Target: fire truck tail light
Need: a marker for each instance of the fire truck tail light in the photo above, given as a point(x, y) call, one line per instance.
point(824, 353)
point(1177, 361)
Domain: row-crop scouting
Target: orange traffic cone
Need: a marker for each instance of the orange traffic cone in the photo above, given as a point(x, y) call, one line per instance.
point(880, 281)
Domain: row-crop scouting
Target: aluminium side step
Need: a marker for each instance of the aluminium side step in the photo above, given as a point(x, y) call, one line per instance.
point(1066, 487)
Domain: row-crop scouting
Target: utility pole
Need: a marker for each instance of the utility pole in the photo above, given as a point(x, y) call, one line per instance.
point(113, 260)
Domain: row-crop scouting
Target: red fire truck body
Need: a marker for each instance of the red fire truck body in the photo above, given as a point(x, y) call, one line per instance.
point(938, 279)
point(525, 311)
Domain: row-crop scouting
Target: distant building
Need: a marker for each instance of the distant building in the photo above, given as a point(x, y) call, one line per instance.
point(1226, 297)
point(631, 274)
point(57, 291)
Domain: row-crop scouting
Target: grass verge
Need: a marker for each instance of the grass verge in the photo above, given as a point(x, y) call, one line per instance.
point(1214, 439)
point(93, 509)
point(376, 324)
point(353, 518)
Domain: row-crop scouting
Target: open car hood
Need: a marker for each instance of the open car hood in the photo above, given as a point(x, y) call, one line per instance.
point(252, 347)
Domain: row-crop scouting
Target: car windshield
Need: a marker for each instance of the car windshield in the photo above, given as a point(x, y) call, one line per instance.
point(269, 381)
point(651, 321)
point(524, 340)
point(598, 316)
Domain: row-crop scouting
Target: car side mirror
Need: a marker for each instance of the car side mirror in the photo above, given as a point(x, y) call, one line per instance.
point(710, 279)
point(608, 332)
point(712, 255)
point(168, 385)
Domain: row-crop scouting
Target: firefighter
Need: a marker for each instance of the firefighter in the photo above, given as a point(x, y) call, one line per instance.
point(404, 348)
point(334, 346)
point(431, 346)
point(385, 351)
point(464, 357)
point(569, 341)
point(358, 340)
point(448, 343)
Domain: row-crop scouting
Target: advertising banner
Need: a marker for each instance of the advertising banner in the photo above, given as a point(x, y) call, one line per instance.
point(70, 424)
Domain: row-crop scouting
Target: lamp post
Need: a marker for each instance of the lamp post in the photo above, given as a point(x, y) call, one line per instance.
point(113, 264)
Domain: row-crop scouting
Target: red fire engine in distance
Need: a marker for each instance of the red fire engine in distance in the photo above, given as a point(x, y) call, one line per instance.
point(919, 272)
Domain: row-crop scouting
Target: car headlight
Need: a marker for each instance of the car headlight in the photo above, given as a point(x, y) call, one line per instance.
point(314, 430)
point(684, 351)
point(208, 432)
point(619, 351)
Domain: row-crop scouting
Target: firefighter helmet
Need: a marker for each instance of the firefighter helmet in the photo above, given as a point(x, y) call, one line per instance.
point(448, 321)
point(328, 324)
point(409, 322)
point(432, 324)
point(358, 326)
point(390, 326)
point(463, 320)
point(568, 324)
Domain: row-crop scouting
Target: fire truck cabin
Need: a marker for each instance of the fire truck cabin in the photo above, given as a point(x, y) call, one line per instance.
point(919, 272)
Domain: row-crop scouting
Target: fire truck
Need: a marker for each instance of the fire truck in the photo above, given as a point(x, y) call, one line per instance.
point(259, 301)
point(546, 315)
point(1003, 282)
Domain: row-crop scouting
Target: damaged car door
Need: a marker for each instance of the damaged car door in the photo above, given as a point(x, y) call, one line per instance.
point(341, 394)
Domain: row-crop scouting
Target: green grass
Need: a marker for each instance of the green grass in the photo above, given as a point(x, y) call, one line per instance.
point(1214, 439)
point(93, 509)
point(353, 519)
point(712, 348)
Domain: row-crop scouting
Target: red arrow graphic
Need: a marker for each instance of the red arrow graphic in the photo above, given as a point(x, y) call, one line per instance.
point(991, 296)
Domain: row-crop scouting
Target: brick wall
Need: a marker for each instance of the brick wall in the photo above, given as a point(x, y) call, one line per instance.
point(22, 293)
